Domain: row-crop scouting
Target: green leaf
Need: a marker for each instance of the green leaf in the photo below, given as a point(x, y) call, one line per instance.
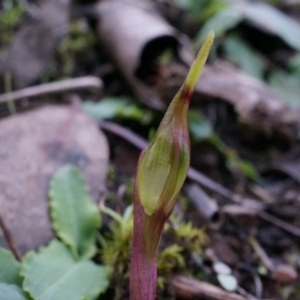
point(201, 9)
point(199, 127)
point(75, 217)
point(112, 107)
point(11, 292)
point(286, 86)
point(273, 21)
point(262, 15)
point(294, 65)
point(9, 268)
point(239, 52)
point(233, 161)
point(221, 22)
point(52, 273)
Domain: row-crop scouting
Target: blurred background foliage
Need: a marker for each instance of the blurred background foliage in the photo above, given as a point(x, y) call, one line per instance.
point(262, 38)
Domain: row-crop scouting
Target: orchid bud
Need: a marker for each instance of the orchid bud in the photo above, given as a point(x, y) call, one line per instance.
point(160, 175)
point(164, 164)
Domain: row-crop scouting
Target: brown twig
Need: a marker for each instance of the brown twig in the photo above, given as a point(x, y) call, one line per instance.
point(54, 87)
point(198, 177)
point(189, 288)
point(9, 240)
point(125, 133)
point(193, 174)
point(279, 223)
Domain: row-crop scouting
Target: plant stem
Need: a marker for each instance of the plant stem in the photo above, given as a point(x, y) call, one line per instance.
point(146, 236)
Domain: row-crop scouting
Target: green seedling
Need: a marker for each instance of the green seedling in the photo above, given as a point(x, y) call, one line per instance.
point(161, 172)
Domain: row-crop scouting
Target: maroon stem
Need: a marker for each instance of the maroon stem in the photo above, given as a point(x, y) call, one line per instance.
point(146, 236)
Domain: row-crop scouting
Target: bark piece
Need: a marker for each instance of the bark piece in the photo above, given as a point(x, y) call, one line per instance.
point(254, 103)
point(32, 147)
point(35, 44)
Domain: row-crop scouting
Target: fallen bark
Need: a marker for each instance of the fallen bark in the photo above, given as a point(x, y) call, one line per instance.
point(254, 103)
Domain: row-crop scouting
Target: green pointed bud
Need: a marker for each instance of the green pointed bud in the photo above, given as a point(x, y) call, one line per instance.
point(164, 164)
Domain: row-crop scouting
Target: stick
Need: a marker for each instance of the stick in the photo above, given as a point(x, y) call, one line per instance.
point(12, 246)
point(54, 87)
point(193, 174)
point(279, 223)
point(189, 288)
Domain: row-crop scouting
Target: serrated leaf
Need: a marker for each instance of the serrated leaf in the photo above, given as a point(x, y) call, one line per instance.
point(9, 268)
point(75, 218)
point(11, 292)
point(53, 273)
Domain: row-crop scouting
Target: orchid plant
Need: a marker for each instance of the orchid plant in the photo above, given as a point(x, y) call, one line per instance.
point(161, 172)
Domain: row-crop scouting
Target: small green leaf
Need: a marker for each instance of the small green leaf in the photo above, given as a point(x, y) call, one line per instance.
point(9, 268)
point(11, 292)
point(294, 64)
point(75, 217)
point(272, 20)
point(287, 86)
point(201, 9)
point(199, 127)
point(52, 273)
point(112, 107)
point(221, 22)
point(233, 161)
point(263, 16)
point(239, 52)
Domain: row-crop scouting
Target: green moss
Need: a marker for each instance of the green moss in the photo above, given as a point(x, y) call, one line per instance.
point(73, 52)
point(9, 19)
point(183, 240)
point(115, 250)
